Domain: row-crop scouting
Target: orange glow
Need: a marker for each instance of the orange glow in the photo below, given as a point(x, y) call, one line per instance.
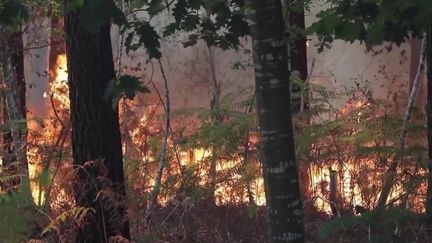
point(358, 179)
point(58, 99)
point(58, 87)
point(145, 127)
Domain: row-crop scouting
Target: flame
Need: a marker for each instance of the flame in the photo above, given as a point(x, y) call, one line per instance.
point(144, 126)
point(354, 105)
point(58, 87)
point(347, 189)
point(146, 130)
point(57, 94)
point(35, 169)
point(358, 179)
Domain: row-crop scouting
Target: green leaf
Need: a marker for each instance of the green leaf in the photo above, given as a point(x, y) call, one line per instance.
point(375, 34)
point(44, 178)
point(13, 13)
point(74, 214)
point(126, 86)
point(348, 31)
point(16, 211)
point(143, 35)
point(154, 7)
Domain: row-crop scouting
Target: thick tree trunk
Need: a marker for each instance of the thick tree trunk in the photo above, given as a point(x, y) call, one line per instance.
point(285, 212)
point(96, 141)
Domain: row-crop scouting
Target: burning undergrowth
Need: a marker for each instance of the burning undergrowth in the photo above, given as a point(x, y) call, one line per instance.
point(346, 153)
point(211, 187)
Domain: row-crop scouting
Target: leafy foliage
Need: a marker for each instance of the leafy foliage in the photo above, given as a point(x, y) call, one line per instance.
point(125, 85)
point(77, 214)
point(359, 140)
point(389, 220)
point(372, 21)
point(16, 212)
point(226, 141)
point(205, 141)
point(219, 23)
point(143, 35)
point(12, 13)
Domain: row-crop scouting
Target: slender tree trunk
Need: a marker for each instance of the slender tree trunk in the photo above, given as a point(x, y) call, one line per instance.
point(285, 212)
point(429, 122)
point(215, 88)
point(298, 58)
point(164, 147)
point(298, 52)
point(96, 141)
point(333, 197)
point(390, 175)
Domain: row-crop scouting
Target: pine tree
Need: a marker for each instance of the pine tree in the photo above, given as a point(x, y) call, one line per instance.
point(96, 140)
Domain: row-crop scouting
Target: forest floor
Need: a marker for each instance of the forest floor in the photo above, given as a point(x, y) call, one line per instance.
point(209, 223)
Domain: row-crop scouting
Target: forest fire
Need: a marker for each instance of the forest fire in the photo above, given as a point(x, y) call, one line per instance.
point(352, 173)
point(178, 107)
point(50, 132)
point(336, 186)
point(58, 88)
point(143, 126)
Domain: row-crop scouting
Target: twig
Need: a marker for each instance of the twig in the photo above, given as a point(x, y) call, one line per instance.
point(176, 150)
point(162, 155)
point(420, 231)
point(52, 220)
point(43, 46)
point(169, 215)
point(55, 110)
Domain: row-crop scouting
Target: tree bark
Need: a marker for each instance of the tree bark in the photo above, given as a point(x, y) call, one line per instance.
point(298, 59)
point(429, 122)
point(285, 212)
point(96, 140)
point(17, 60)
point(333, 197)
point(215, 88)
point(14, 103)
